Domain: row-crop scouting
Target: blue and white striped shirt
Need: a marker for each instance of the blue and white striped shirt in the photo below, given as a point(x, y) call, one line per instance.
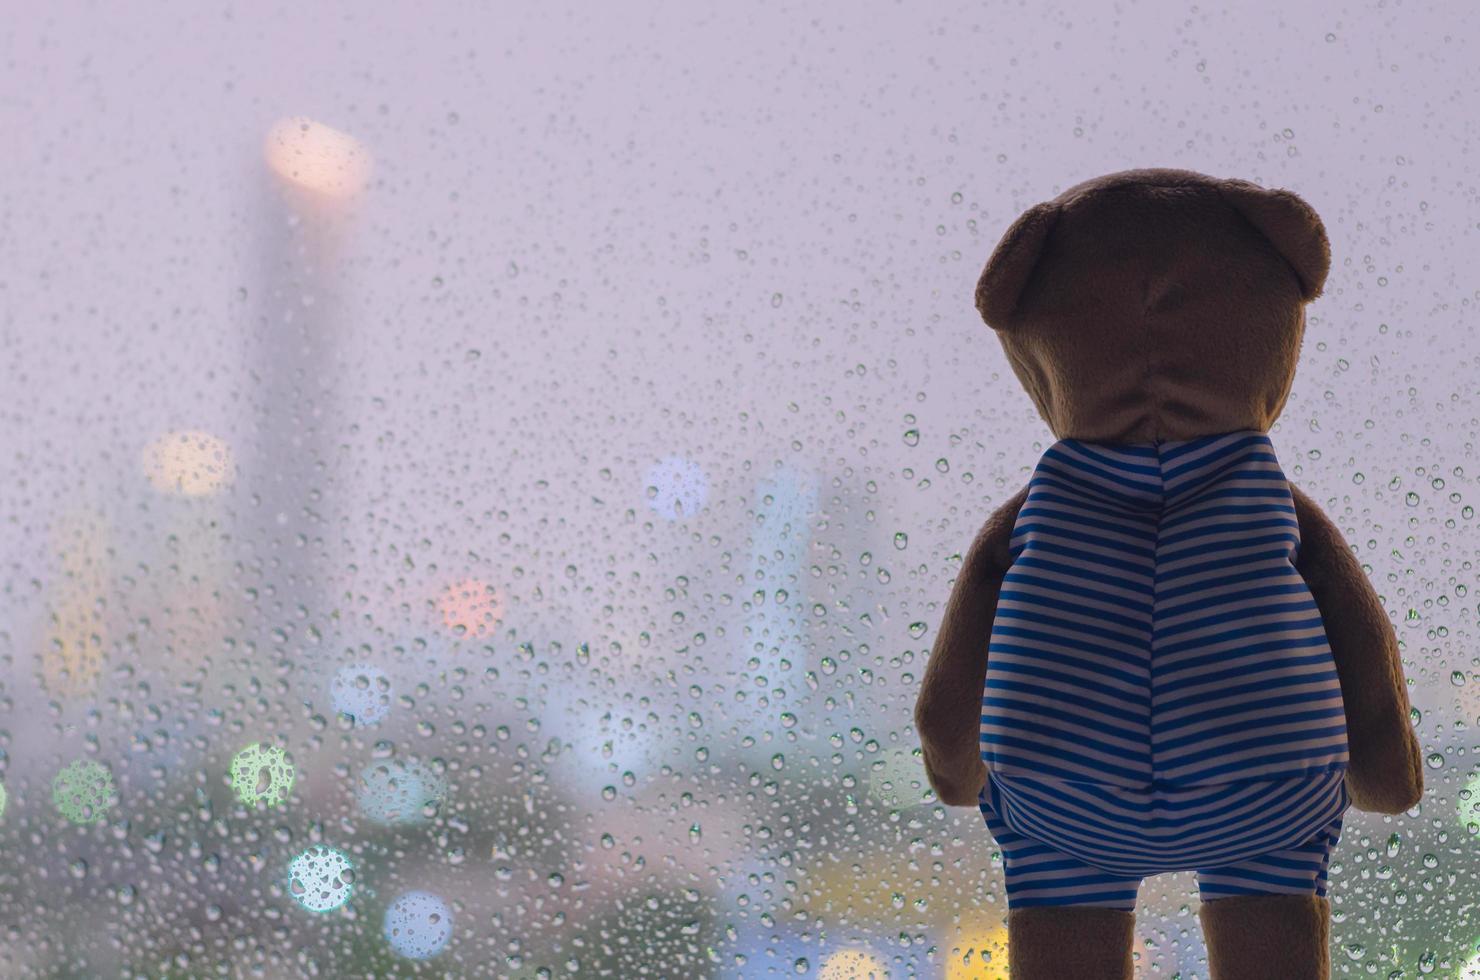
point(1160, 695)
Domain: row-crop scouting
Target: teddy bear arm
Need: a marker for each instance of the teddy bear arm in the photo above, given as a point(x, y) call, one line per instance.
point(1386, 774)
point(948, 707)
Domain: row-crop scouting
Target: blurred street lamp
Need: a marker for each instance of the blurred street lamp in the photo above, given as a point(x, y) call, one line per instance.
point(316, 157)
point(189, 463)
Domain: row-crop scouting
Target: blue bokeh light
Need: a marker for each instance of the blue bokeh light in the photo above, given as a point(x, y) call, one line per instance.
point(418, 925)
point(321, 879)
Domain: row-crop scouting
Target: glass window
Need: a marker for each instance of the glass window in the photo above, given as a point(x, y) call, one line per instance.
point(482, 482)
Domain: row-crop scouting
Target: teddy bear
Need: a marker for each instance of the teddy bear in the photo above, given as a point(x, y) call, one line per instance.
point(1160, 655)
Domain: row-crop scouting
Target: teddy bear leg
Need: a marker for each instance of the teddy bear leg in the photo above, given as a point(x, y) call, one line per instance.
point(1069, 942)
point(1271, 937)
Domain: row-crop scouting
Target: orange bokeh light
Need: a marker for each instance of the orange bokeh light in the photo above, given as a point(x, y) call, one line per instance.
point(316, 157)
point(72, 656)
point(853, 964)
point(471, 608)
point(978, 950)
point(189, 463)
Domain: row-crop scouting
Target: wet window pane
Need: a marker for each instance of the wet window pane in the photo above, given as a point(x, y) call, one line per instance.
point(482, 483)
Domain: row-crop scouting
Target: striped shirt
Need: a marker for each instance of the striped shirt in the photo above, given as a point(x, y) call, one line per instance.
point(1160, 695)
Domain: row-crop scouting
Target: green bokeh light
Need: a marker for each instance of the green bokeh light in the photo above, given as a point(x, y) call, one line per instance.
point(262, 773)
point(83, 791)
point(321, 879)
point(3, 799)
point(1469, 804)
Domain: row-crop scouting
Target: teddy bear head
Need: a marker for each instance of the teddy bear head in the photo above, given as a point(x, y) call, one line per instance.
point(1156, 305)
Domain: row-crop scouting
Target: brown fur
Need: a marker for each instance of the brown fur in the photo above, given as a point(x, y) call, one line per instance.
point(1166, 304)
point(1267, 937)
point(1386, 774)
point(1070, 942)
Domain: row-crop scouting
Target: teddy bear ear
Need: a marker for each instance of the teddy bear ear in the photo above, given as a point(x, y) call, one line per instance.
point(1007, 271)
point(1290, 225)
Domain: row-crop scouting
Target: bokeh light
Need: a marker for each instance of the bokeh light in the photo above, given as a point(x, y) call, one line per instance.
point(72, 654)
point(262, 773)
point(398, 791)
point(676, 487)
point(418, 925)
point(321, 878)
point(361, 691)
point(4, 799)
point(852, 964)
point(83, 791)
point(317, 157)
point(978, 952)
point(470, 608)
point(191, 463)
point(1471, 969)
point(1468, 800)
point(72, 660)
